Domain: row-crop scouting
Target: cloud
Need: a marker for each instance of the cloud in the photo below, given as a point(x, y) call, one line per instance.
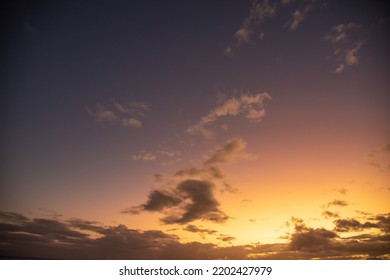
point(23, 237)
point(261, 11)
point(258, 13)
point(188, 201)
point(202, 204)
point(231, 151)
point(249, 105)
point(131, 122)
point(379, 158)
point(346, 42)
point(312, 239)
point(208, 173)
point(201, 231)
point(144, 156)
point(330, 215)
point(226, 238)
point(338, 202)
point(125, 115)
point(346, 225)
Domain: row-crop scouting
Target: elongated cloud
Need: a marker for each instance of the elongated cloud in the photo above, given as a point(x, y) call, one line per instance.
point(23, 237)
point(251, 106)
point(127, 115)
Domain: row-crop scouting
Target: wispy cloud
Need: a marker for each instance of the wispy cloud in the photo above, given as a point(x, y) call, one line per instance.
point(234, 149)
point(380, 158)
point(251, 106)
point(127, 115)
point(346, 41)
point(258, 13)
point(165, 157)
point(261, 11)
point(144, 156)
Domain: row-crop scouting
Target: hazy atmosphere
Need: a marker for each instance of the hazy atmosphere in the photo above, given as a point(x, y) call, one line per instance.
point(195, 130)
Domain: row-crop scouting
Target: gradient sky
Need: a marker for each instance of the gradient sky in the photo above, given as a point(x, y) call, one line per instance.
point(228, 129)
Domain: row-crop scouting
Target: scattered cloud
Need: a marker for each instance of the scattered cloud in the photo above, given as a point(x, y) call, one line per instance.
point(231, 151)
point(144, 156)
point(166, 157)
point(261, 11)
point(297, 17)
point(346, 42)
point(249, 105)
point(258, 13)
point(127, 115)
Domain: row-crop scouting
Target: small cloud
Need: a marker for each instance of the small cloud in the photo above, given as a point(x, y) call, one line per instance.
point(125, 115)
point(330, 215)
point(201, 231)
point(226, 238)
point(229, 51)
point(342, 191)
point(231, 151)
point(338, 202)
point(144, 156)
point(131, 122)
point(249, 105)
point(101, 114)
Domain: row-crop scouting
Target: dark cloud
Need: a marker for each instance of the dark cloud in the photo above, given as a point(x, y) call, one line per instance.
point(338, 202)
point(201, 231)
point(330, 215)
point(190, 200)
point(226, 238)
point(346, 225)
point(199, 203)
point(22, 237)
point(306, 238)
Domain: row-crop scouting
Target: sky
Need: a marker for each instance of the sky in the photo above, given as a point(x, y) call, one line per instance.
point(195, 130)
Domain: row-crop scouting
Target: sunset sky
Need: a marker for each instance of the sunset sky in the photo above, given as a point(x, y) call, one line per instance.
point(195, 129)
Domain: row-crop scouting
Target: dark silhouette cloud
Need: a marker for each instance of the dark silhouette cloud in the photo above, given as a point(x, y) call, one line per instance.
point(23, 237)
point(202, 232)
point(190, 200)
point(202, 203)
point(345, 225)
